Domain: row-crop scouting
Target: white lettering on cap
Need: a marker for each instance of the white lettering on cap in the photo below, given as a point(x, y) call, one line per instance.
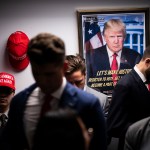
point(7, 81)
point(6, 77)
point(18, 58)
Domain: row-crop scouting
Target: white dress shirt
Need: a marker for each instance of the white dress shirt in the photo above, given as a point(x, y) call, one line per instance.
point(143, 78)
point(110, 55)
point(33, 109)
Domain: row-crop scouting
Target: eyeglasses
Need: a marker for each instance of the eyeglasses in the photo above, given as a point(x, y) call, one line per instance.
point(5, 90)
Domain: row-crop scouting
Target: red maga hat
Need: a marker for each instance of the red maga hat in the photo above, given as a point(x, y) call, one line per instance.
point(7, 79)
point(17, 45)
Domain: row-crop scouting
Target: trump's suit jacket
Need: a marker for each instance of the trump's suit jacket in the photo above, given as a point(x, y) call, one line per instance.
point(130, 103)
point(138, 135)
point(98, 67)
point(87, 105)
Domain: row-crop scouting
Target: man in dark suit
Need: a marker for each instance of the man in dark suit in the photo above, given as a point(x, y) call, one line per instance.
point(130, 99)
point(7, 91)
point(50, 92)
point(99, 61)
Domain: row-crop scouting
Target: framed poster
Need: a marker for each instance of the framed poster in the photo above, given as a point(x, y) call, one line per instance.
point(93, 40)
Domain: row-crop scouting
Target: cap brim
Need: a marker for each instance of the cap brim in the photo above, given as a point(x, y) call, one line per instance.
point(19, 64)
point(8, 85)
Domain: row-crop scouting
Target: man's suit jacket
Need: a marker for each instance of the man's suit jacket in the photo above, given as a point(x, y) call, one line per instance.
point(138, 135)
point(2, 127)
point(98, 61)
point(84, 103)
point(103, 99)
point(130, 103)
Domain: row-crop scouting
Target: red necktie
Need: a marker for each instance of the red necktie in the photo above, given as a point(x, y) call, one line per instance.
point(46, 105)
point(114, 68)
point(149, 86)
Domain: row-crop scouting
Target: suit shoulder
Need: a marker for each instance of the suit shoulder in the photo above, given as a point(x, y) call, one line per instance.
point(131, 51)
point(126, 79)
point(139, 125)
point(81, 94)
point(96, 93)
point(25, 92)
point(87, 97)
point(88, 94)
point(99, 49)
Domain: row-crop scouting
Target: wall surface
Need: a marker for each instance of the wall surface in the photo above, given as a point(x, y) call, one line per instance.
point(57, 17)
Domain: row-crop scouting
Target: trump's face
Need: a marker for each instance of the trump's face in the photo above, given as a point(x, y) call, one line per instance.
point(114, 39)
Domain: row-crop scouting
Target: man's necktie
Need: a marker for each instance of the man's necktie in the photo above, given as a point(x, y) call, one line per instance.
point(149, 86)
point(114, 68)
point(3, 120)
point(46, 105)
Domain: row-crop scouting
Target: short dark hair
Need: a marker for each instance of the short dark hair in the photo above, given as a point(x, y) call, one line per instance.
point(75, 63)
point(46, 48)
point(146, 53)
point(59, 129)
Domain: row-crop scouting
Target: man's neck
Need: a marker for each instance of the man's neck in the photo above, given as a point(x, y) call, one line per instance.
point(141, 68)
point(3, 110)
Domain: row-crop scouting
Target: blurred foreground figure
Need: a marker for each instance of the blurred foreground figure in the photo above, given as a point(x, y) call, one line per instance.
point(50, 92)
point(61, 129)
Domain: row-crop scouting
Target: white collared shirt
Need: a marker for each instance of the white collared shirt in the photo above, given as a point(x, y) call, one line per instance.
point(143, 78)
point(33, 109)
point(110, 55)
point(6, 113)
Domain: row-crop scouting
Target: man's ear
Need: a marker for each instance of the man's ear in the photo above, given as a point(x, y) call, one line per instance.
point(147, 60)
point(65, 65)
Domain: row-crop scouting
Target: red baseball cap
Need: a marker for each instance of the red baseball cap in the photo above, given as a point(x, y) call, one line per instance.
point(17, 45)
point(7, 79)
